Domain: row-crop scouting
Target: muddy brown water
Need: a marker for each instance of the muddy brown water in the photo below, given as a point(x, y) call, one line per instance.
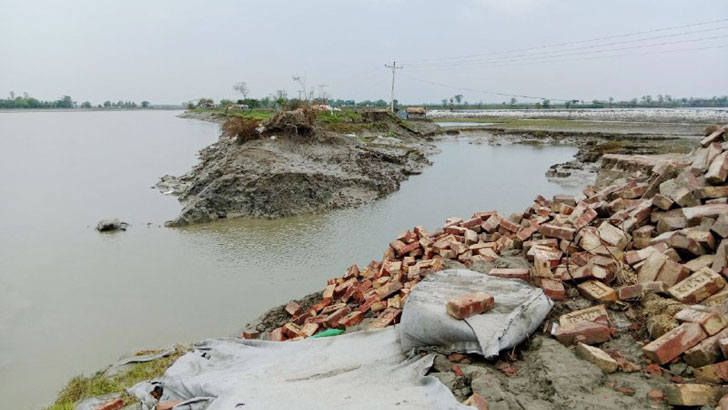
point(73, 300)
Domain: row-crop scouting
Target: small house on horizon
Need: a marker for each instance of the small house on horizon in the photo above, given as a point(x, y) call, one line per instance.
point(416, 113)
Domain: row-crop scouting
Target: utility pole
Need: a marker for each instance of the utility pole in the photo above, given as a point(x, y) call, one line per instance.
point(394, 68)
point(322, 92)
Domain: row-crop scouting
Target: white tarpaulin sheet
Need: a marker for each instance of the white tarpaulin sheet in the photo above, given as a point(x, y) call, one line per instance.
point(519, 309)
point(363, 370)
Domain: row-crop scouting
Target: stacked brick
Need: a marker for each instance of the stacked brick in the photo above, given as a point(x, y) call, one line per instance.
point(665, 234)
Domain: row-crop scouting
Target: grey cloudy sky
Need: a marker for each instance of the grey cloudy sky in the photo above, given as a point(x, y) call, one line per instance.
point(169, 51)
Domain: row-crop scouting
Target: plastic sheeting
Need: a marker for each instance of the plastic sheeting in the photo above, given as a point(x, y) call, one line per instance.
point(519, 309)
point(361, 370)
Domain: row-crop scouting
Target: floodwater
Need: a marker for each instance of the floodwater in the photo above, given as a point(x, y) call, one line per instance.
point(73, 300)
point(460, 124)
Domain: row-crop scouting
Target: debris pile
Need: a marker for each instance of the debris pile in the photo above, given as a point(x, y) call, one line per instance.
point(654, 247)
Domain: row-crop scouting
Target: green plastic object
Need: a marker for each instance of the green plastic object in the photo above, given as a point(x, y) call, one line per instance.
point(328, 333)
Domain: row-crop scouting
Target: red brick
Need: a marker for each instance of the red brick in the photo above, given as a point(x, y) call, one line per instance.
point(276, 335)
point(332, 320)
point(112, 404)
point(630, 292)
point(525, 233)
point(712, 373)
point(471, 304)
point(554, 289)
point(293, 308)
point(352, 272)
point(674, 343)
point(388, 317)
point(706, 352)
point(697, 286)
point(476, 401)
point(510, 226)
point(585, 218)
point(388, 289)
point(456, 230)
point(472, 223)
point(351, 319)
point(511, 273)
point(585, 332)
point(713, 137)
point(718, 171)
point(695, 213)
point(250, 334)
point(597, 291)
point(682, 242)
point(711, 320)
point(554, 231)
point(309, 329)
point(597, 314)
point(291, 330)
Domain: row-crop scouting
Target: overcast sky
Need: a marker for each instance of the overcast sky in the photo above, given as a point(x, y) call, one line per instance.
point(170, 51)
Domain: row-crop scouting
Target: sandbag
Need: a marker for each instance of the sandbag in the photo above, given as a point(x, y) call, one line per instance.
point(519, 310)
point(362, 370)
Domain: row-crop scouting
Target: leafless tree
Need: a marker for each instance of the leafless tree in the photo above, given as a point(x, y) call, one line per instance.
point(303, 92)
point(242, 88)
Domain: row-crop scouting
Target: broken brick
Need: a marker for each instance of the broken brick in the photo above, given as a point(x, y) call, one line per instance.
point(554, 289)
point(293, 308)
point(476, 401)
point(597, 357)
point(511, 273)
point(692, 394)
point(712, 322)
point(471, 304)
point(112, 404)
point(584, 332)
point(674, 343)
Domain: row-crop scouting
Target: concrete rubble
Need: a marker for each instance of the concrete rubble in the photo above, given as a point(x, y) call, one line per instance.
point(652, 249)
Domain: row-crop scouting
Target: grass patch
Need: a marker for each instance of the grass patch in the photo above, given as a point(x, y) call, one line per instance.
point(260, 115)
point(344, 121)
point(82, 387)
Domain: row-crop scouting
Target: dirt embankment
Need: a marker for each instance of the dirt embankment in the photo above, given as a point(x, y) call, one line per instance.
point(340, 164)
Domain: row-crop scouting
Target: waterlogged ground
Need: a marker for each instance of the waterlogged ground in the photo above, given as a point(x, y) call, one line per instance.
point(73, 300)
point(670, 115)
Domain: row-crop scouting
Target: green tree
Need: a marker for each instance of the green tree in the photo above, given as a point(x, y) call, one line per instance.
point(145, 104)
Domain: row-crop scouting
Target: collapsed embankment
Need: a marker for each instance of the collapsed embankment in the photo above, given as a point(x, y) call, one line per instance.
point(285, 172)
point(636, 267)
point(362, 158)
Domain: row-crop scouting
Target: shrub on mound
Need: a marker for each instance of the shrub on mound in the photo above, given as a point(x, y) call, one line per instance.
point(242, 129)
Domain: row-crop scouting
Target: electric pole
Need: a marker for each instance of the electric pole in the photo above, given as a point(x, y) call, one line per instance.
point(322, 92)
point(394, 68)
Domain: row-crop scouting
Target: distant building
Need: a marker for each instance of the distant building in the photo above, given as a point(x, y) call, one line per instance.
point(206, 105)
point(416, 113)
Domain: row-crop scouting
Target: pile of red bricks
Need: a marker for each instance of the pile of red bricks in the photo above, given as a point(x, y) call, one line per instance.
point(659, 236)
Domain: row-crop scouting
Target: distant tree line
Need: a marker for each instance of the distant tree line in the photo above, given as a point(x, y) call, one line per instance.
point(27, 102)
point(647, 101)
point(280, 102)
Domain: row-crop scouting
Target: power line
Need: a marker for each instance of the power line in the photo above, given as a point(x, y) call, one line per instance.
point(548, 98)
point(615, 55)
point(482, 91)
point(536, 59)
point(560, 53)
point(703, 23)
